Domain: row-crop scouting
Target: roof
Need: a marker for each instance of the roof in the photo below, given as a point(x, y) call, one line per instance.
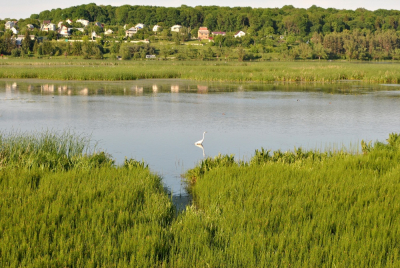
point(203, 29)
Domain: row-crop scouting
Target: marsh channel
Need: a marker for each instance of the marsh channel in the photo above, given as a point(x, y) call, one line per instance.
point(158, 121)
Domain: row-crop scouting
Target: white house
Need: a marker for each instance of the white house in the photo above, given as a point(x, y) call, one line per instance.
point(48, 27)
point(59, 25)
point(219, 33)
point(9, 25)
point(109, 31)
point(69, 21)
point(18, 40)
point(94, 35)
point(15, 31)
point(176, 28)
point(85, 23)
point(131, 31)
point(64, 31)
point(30, 26)
point(239, 34)
point(156, 28)
point(140, 26)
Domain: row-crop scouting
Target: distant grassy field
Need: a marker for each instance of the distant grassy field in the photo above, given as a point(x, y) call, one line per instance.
point(62, 204)
point(112, 70)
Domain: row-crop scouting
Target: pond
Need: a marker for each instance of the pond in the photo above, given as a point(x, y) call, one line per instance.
point(158, 121)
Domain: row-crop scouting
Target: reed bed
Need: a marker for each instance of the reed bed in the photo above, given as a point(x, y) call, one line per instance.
point(294, 209)
point(280, 209)
point(87, 214)
point(108, 70)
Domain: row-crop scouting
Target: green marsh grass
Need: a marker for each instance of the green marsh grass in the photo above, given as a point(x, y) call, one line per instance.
point(294, 209)
point(279, 209)
point(110, 70)
point(64, 205)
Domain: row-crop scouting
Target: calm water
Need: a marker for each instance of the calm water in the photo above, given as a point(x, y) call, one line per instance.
point(159, 120)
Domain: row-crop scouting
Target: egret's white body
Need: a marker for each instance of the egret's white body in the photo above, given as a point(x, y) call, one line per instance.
point(200, 142)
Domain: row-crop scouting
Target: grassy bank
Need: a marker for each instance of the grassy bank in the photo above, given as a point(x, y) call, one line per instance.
point(110, 70)
point(62, 204)
point(295, 209)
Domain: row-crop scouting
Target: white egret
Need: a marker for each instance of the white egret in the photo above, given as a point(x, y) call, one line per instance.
point(200, 142)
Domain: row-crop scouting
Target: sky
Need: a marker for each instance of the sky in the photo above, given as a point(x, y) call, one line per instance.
point(17, 9)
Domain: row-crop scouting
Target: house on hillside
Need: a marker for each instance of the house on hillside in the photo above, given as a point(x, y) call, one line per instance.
point(219, 33)
point(69, 21)
point(239, 34)
point(60, 24)
point(48, 26)
point(14, 30)
point(203, 33)
point(176, 28)
point(9, 24)
point(131, 31)
point(156, 28)
point(101, 25)
point(64, 31)
point(94, 35)
point(140, 26)
point(30, 26)
point(22, 37)
point(85, 23)
point(18, 40)
point(108, 32)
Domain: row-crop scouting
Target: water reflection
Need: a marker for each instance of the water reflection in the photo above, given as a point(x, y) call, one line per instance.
point(175, 88)
point(143, 87)
point(202, 147)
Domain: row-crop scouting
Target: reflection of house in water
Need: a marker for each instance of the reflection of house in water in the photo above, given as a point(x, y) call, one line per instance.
point(175, 88)
point(155, 88)
point(62, 89)
point(84, 91)
point(202, 89)
point(12, 86)
point(46, 88)
point(138, 89)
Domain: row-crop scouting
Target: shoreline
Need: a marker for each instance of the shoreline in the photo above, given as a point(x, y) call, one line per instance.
point(201, 71)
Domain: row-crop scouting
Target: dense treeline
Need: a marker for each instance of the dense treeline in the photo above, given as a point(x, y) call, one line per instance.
point(288, 32)
point(288, 19)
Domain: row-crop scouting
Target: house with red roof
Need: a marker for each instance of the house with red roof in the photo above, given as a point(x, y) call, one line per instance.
point(203, 33)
